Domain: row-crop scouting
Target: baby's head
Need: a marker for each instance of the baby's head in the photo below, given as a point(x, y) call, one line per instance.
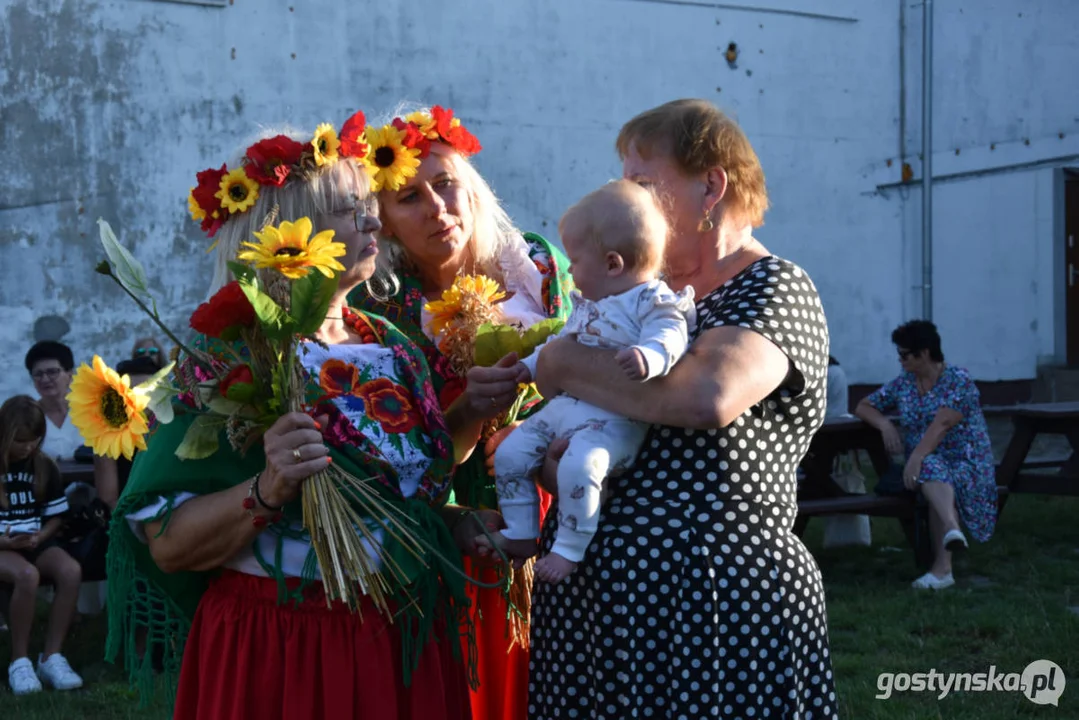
point(614, 237)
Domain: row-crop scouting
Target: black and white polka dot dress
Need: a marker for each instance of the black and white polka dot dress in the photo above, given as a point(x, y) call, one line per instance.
point(695, 599)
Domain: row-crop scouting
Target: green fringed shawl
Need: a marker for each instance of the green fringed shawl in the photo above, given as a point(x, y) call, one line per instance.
point(472, 485)
point(145, 601)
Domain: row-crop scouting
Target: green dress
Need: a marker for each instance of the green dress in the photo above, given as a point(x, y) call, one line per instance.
point(144, 601)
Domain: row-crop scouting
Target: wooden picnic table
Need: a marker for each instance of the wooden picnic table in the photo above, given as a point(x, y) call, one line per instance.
point(818, 494)
point(71, 471)
point(1017, 472)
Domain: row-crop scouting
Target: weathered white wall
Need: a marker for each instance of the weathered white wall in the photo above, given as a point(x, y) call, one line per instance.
point(109, 108)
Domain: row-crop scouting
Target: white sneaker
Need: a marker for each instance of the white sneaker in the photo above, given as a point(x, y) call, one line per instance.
point(929, 581)
point(954, 540)
point(21, 677)
point(56, 672)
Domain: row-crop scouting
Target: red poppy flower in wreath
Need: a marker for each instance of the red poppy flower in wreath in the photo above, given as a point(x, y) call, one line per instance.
point(414, 137)
point(229, 309)
point(352, 136)
point(270, 161)
point(453, 132)
point(205, 196)
point(389, 404)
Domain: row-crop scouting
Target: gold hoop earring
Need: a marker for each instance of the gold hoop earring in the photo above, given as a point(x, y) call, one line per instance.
point(706, 223)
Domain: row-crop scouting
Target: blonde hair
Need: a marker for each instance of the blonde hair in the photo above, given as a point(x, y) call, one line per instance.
point(622, 217)
point(493, 232)
point(699, 138)
point(330, 189)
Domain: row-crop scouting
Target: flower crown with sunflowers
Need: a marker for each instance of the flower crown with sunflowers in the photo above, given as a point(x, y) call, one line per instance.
point(390, 155)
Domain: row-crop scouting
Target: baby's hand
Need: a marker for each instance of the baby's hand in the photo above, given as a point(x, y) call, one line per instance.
point(632, 362)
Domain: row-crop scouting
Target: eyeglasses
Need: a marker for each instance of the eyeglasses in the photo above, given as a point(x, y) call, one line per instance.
point(360, 213)
point(906, 354)
point(50, 373)
point(147, 351)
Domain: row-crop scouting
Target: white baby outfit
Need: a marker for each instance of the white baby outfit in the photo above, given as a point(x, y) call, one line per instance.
point(650, 317)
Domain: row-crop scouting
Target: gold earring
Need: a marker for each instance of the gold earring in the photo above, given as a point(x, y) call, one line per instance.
point(706, 223)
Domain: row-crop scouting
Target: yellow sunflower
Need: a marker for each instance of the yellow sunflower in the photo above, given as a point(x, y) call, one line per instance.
point(287, 250)
point(425, 123)
point(388, 161)
point(238, 192)
point(325, 144)
point(197, 213)
point(109, 414)
point(472, 299)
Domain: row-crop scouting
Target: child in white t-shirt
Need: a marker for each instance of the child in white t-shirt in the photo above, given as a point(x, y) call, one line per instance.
point(615, 239)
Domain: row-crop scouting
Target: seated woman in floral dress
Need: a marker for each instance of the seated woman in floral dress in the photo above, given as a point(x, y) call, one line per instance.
point(945, 440)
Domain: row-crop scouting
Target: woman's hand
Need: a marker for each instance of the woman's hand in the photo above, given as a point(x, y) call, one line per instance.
point(489, 391)
point(912, 472)
point(548, 476)
point(893, 442)
point(294, 452)
point(470, 526)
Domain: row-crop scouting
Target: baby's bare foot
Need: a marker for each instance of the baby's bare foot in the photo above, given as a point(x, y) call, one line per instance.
point(554, 568)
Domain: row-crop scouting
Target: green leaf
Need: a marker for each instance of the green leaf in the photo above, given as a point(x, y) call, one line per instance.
point(241, 392)
point(243, 272)
point(200, 440)
point(275, 322)
point(311, 300)
point(495, 341)
point(127, 269)
point(538, 334)
point(160, 392)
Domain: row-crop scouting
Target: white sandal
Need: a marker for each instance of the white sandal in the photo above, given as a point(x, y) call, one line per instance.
point(929, 581)
point(954, 541)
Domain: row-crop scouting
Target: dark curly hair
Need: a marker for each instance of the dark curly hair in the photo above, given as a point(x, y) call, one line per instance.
point(50, 350)
point(918, 335)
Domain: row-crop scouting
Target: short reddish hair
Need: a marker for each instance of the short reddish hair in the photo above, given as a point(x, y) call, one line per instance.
point(699, 137)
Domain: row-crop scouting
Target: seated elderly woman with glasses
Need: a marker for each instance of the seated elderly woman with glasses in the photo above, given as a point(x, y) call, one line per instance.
point(50, 364)
point(943, 435)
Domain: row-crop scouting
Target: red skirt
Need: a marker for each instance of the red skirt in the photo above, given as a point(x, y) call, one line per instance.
point(502, 669)
point(248, 657)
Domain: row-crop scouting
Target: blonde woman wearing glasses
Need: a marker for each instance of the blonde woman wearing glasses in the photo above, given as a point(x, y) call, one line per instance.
point(50, 364)
point(149, 347)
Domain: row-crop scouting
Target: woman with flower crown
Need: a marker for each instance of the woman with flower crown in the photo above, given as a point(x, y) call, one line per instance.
point(440, 221)
point(209, 560)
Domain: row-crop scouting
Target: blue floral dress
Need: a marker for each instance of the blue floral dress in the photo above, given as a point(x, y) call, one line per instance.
point(964, 458)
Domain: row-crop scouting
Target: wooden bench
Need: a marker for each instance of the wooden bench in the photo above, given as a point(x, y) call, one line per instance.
point(818, 495)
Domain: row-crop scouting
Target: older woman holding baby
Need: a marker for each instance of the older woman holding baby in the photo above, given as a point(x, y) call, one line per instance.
point(441, 220)
point(695, 598)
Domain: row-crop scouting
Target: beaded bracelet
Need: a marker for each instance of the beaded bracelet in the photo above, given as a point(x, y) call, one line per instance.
point(253, 497)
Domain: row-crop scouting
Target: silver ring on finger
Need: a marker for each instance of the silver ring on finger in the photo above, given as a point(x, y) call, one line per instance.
point(296, 454)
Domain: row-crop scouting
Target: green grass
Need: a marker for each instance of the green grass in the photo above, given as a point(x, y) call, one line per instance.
point(1011, 607)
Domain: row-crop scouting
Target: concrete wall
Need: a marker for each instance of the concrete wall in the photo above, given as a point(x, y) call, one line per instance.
point(108, 109)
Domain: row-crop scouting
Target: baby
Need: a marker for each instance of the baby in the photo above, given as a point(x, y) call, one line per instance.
point(615, 239)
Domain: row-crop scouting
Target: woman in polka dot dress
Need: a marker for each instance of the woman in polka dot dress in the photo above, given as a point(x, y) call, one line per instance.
point(695, 598)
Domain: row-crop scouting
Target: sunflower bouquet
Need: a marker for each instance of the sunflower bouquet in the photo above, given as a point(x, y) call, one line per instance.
point(467, 325)
point(241, 376)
